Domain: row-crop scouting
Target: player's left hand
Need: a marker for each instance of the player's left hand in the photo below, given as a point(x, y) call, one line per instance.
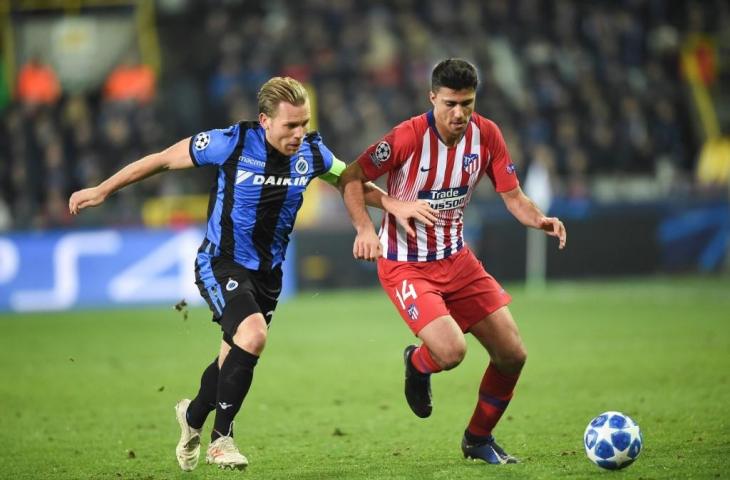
point(367, 246)
point(555, 228)
point(403, 211)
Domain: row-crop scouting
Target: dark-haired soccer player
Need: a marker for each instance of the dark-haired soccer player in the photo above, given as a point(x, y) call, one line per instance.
point(438, 286)
point(263, 169)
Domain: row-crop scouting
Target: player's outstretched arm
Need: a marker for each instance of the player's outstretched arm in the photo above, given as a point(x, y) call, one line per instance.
point(530, 215)
point(173, 158)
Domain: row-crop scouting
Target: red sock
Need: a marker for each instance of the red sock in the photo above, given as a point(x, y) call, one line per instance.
point(423, 361)
point(495, 392)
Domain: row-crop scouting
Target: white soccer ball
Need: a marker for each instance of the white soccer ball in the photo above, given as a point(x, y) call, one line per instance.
point(612, 440)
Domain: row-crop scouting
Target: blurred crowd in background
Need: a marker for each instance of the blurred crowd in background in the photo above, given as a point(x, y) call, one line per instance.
point(586, 88)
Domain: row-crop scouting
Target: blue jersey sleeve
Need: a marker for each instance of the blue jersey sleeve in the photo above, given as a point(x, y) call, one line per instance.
point(213, 147)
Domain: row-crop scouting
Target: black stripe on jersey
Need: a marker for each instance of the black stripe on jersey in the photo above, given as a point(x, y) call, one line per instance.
point(213, 196)
point(190, 151)
point(271, 201)
point(228, 246)
point(318, 160)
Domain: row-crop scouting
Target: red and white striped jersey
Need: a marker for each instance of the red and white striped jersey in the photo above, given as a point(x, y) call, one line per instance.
point(422, 167)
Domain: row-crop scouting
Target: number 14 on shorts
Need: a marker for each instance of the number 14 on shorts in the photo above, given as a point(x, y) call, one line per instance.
point(403, 294)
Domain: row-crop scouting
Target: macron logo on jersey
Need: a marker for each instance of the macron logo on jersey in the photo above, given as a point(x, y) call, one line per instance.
point(252, 161)
point(243, 175)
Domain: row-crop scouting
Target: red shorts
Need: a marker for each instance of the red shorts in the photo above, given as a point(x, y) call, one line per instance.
point(457, 285)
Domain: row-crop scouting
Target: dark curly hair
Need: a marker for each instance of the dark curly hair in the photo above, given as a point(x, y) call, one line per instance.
point(454, 73)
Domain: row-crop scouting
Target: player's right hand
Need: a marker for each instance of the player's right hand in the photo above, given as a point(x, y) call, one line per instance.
point(88, 197)
point(367, 246)
point(555, 228)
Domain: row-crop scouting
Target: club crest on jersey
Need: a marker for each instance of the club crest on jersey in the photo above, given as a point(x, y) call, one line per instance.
point(201, 141)
point(231, 285)
point(471, 162)
point(381, 154)
point(412, 312)
point(511, 168)
point(301, 166)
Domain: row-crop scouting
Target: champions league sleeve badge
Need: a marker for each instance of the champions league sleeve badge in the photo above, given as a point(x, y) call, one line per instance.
point(381, 154)
point(202, 140)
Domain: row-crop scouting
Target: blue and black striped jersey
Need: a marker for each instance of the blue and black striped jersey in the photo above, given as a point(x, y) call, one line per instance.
point(258, 192)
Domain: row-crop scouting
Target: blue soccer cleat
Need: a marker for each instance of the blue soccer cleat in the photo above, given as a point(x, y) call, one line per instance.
point(487, 451)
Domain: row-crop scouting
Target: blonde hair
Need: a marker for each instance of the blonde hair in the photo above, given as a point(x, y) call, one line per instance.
point(280, 89)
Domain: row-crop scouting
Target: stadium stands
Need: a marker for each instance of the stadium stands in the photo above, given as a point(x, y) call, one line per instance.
point(592, 88)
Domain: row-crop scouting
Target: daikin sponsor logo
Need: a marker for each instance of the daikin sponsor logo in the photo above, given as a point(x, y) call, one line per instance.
point(256, 179)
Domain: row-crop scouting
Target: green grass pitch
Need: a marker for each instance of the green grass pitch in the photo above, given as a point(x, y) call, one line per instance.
point(90, 395)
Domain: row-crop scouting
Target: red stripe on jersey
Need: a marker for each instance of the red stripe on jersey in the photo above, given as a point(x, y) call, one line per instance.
point(400, 191)
point(392, 237)
point(412, 240)
point(415, 162)
point(486, 154)
point(433, 168)
point(431, 231)
point(464, 181)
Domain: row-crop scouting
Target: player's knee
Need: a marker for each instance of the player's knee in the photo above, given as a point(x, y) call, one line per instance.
point(252, 341)
point(250, 337)
point(519, 358)
point(513, 361)
point(453, 355)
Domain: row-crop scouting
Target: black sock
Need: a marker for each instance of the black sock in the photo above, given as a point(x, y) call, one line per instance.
point(204, 402)
point(234, 381)
point(476, 439)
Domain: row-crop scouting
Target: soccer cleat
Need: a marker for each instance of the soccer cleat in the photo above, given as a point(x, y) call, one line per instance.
point(418, 386)
point(224, 453)
point(488, 451)
point(188, 448)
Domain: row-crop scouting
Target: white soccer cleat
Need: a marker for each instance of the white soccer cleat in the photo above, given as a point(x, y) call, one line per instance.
point(188, 448)
point(224, 453)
